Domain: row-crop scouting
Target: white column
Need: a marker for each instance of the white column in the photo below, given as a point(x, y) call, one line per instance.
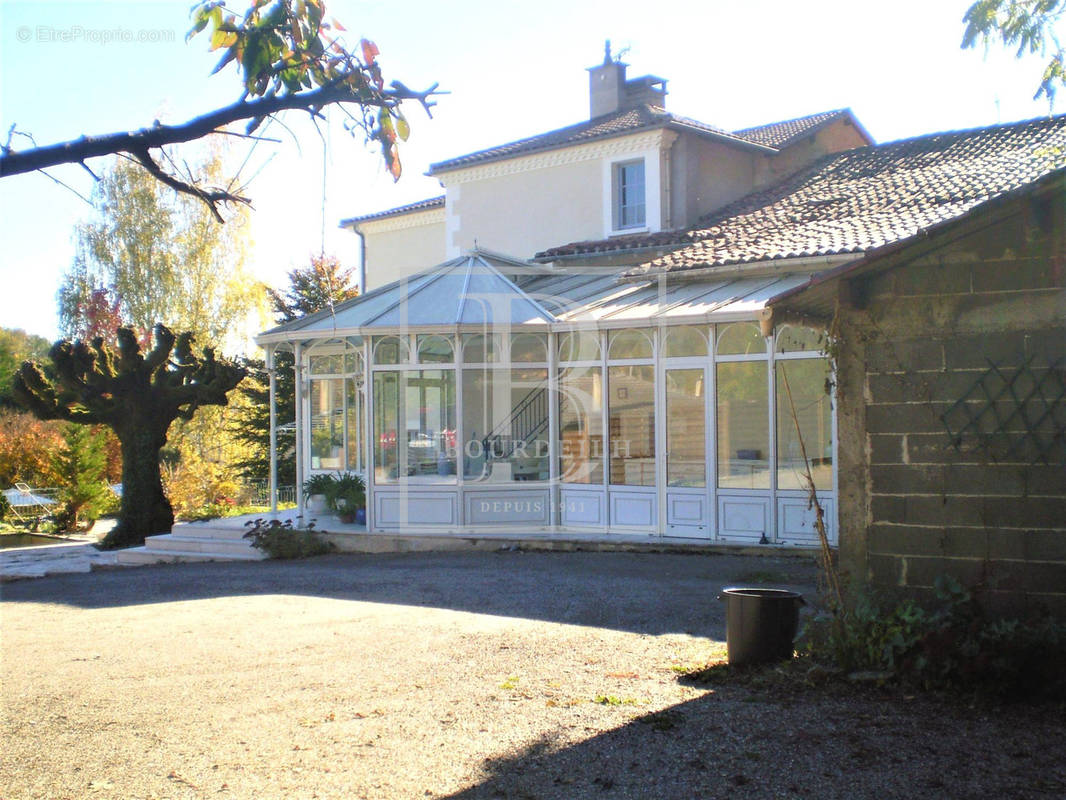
point(272, 373)
point(298, 373)
point(554, 495)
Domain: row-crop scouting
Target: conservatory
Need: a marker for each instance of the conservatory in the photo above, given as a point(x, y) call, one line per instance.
point(493, 394)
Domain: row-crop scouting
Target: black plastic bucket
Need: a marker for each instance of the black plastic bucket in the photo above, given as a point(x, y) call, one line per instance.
point(760, 624)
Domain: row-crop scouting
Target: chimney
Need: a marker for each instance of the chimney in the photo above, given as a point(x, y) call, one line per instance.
point(609, 91)
point(607, 84)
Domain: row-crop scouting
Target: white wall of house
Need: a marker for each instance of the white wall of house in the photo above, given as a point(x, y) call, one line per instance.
point(520, 206)
point(402, 245)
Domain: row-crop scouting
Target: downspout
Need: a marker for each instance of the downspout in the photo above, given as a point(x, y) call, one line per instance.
point(361, 273)
point(668, 189)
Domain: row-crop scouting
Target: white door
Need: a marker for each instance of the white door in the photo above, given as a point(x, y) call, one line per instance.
point(688, 511)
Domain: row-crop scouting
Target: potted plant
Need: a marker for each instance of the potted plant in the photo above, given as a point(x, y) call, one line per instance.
point(347, 496)
point(317, 489)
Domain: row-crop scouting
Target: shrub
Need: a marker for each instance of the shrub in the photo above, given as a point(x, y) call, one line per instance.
point(196, 486)
point(82, 468)
point(281, 540)
point(953, 644)
point(26, 448)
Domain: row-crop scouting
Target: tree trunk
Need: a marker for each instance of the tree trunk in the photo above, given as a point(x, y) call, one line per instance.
point(145, 508)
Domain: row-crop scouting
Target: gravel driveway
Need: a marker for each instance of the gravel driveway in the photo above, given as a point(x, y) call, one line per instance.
point(518, 675)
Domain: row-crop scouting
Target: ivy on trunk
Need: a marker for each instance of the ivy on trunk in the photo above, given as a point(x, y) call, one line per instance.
point(138, 395)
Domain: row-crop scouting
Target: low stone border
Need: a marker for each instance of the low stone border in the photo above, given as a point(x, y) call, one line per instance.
point(49, 559)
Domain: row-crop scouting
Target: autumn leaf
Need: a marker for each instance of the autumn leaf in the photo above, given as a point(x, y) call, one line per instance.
point(370, 51)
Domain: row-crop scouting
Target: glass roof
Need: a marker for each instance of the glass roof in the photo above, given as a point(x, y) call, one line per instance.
point(482, 289)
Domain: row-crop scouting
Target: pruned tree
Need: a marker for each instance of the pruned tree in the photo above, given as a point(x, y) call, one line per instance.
point(1028, 25)
point(290, 58)
point(138, 395)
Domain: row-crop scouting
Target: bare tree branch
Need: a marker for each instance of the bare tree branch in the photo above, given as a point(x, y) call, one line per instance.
point(211, 198)
point(14, 162)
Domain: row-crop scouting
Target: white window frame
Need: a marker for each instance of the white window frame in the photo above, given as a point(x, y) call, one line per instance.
point(652, 192)
point(619, 192)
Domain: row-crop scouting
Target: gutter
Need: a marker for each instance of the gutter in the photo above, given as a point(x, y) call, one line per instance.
point(768, 266)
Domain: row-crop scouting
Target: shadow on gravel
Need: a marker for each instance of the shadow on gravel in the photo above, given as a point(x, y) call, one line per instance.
point(649, 593)
point(818, 743)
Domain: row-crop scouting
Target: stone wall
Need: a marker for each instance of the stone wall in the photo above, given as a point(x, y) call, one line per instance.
point(933, 479)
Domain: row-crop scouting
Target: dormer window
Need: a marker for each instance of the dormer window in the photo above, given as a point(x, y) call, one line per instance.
point(629, 203)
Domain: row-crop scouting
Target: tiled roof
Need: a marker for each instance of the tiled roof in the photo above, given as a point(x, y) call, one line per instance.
point(782, 134)
point(859, 199)
point(642, 117)
point(421, 205)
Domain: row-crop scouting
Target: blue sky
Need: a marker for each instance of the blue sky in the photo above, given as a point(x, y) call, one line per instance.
point(512, 70)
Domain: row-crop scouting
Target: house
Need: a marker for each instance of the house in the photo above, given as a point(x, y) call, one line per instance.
point(951, 400)
point(631, 169)
point(580, 335)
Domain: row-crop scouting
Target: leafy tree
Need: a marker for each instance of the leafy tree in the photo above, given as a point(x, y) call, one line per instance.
point(322, 284)
point(82, 469)
point(1028, 25)
point(290, 57)
point(87, 312)
point(138, 395)
point(150, 254)
point(26, 448)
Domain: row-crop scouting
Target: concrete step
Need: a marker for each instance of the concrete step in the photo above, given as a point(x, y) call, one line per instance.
point(142, 555)
point(196, 544)
point(208, 530)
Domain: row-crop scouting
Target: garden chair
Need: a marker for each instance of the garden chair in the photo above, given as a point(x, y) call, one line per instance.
point(28, 504)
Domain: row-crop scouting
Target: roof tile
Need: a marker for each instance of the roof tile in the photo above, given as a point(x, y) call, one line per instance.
point(857, 199)
point(618, 123)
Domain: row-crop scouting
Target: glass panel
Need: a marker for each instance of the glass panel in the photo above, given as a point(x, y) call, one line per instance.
point(481, 348)
point(434, 349)
point(793, 339)
point(686, 340)
point(327, 424)
point(391, 350)
point(743, 425)
point(686, 428)
point(386, 425)
point(629, 344)
point(356, 438)
point(740, 338)
point(505, 425)
point(581, 425)
point(808, 379)
point(579, 346)
point(414, 426)
point(631, 425)
point(332, 364)
point(629, 193)
point(529, 348)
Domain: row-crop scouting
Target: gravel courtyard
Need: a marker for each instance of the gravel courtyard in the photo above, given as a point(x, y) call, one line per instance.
point(481, 675)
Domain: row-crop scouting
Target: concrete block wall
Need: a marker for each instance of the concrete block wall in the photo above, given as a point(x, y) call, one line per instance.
point(925, 503)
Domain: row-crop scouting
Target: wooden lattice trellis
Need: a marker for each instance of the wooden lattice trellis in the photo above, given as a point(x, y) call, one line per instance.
point(1013, 412)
